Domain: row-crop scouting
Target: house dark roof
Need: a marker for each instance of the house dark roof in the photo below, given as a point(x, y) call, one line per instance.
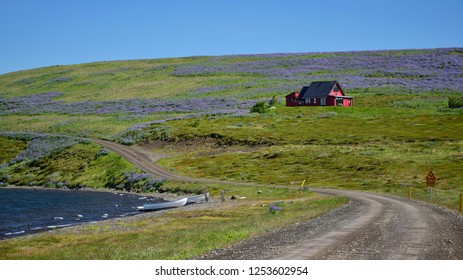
point(317, 90)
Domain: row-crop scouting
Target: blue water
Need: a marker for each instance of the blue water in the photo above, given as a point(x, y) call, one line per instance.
point(25, 211)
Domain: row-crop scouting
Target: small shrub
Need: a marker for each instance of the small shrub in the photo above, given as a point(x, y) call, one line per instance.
point(260, 107)
point(455, 102)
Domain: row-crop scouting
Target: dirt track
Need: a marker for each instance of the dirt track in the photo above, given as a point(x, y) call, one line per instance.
point(142, 161)
point(371, 226)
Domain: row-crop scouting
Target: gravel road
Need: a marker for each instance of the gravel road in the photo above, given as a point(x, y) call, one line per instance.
point(370, 227)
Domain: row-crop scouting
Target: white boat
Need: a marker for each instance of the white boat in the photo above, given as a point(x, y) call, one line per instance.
point(198, 198)
point(164, 205)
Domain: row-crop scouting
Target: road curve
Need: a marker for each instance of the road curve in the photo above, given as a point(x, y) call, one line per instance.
point(142, 161)
point(382, 227)
point(371, 226)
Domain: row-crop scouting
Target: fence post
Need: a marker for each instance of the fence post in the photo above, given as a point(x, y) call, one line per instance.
point(222, 195)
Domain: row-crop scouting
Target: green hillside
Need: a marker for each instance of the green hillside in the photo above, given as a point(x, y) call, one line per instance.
point(400, 127)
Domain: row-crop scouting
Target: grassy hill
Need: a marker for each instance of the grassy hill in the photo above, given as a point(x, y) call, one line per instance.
point(87, 99)
point(196, 110)
point(401, 125)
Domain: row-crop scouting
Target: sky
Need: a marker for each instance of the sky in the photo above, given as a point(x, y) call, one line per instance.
point(42, 33)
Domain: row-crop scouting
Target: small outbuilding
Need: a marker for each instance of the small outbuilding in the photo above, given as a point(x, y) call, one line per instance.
point(325, 93)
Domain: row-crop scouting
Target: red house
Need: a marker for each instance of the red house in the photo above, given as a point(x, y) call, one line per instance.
point(326, 93)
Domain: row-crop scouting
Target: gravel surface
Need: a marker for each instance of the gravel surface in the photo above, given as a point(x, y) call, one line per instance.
point(369, 227)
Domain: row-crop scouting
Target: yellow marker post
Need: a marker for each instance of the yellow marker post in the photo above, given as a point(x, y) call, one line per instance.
point(410, 192)
point(302, 185)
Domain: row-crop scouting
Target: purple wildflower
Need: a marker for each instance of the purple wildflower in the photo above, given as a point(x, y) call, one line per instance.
point(416, 70)
point(44, 103)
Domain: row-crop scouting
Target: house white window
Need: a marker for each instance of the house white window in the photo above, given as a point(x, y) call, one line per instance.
point(323, 101)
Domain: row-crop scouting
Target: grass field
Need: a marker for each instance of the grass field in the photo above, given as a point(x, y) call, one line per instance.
point(352, 149)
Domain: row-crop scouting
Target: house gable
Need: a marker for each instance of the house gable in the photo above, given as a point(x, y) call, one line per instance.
point(337, 90)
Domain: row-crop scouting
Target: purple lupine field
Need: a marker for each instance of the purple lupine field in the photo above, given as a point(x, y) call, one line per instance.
point(254, 77)
point(421, 70)
point(43, 103)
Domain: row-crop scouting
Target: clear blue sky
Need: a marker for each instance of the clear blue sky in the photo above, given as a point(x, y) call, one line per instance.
point(37, 33)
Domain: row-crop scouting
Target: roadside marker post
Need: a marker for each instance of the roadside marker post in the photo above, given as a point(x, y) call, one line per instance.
point(430, 182)
point(410, 192)
point(302, 185)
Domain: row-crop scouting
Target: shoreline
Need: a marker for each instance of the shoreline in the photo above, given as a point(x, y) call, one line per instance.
point(27, 233)
point(164, 195)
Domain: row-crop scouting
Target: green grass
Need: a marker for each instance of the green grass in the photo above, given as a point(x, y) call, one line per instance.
point(102, 80)
point(10, 149)
point(321, 125)
point(175, 234)
point(94, 126)
point(383, 149)
point(390, 168)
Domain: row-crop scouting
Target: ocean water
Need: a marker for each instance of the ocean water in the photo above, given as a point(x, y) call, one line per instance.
point(25, 211)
